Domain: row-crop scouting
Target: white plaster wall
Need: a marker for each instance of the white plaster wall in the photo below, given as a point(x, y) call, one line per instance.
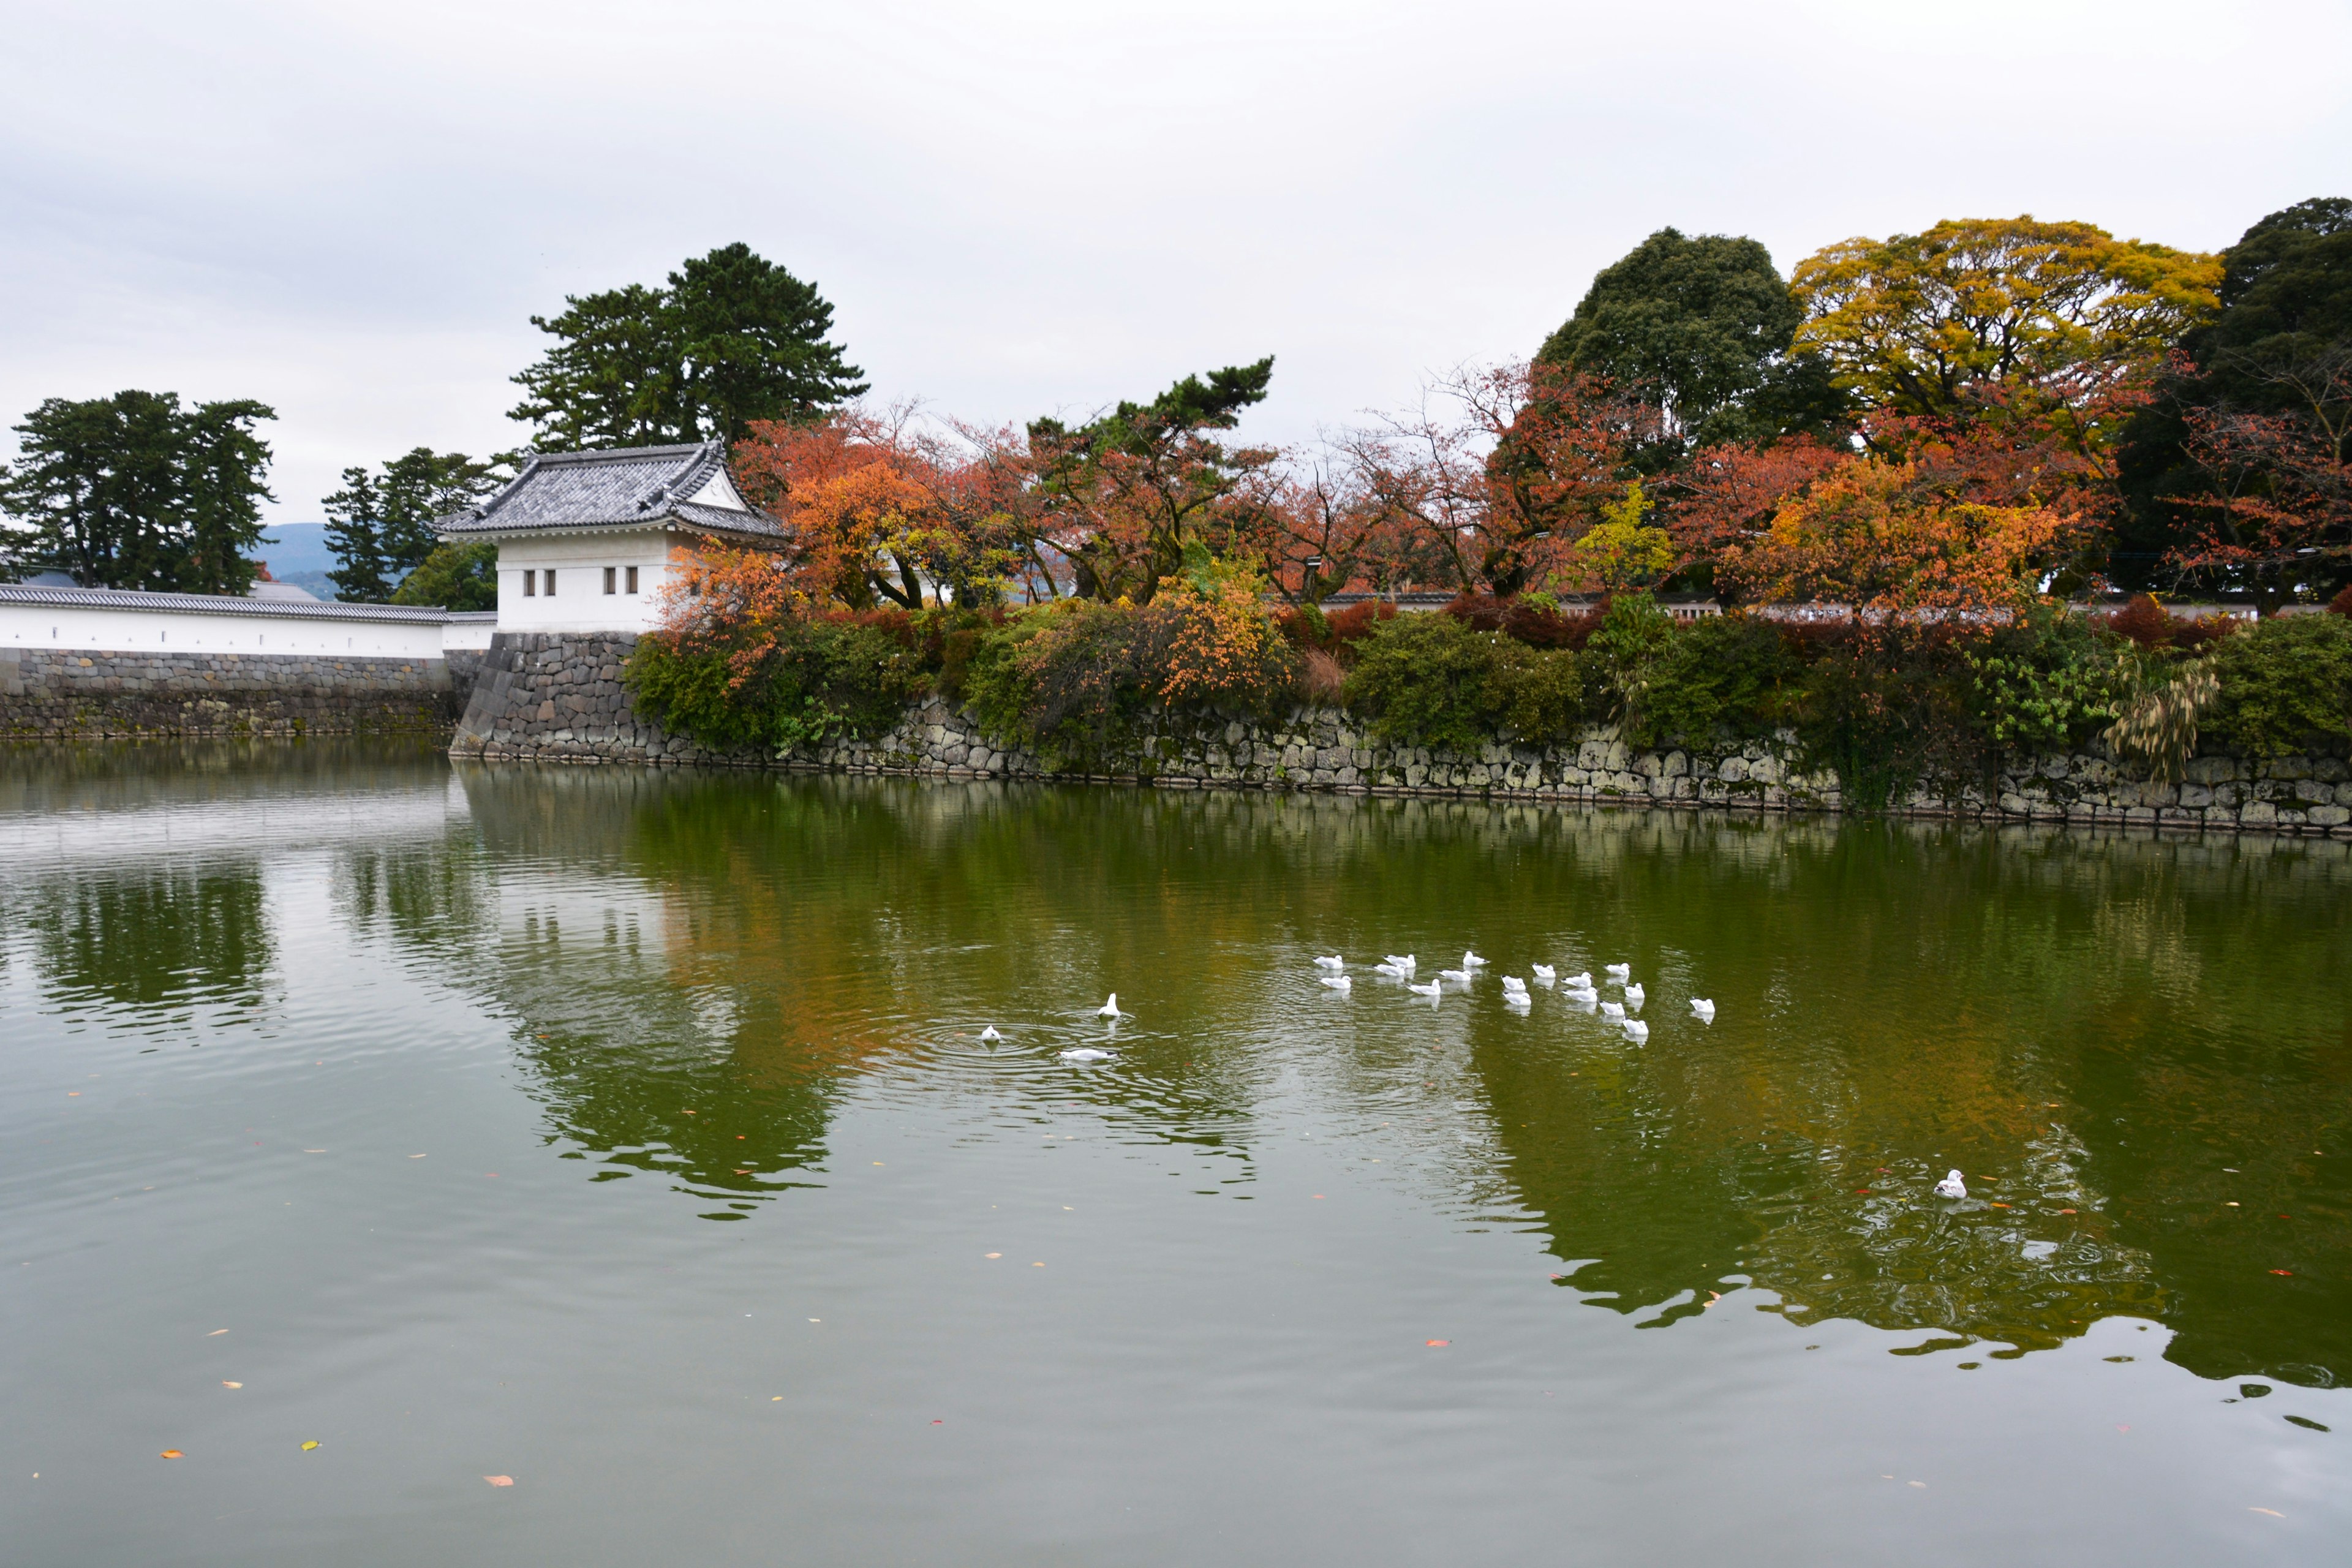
point(101, 629)
point(467, 635)
point(578, 561)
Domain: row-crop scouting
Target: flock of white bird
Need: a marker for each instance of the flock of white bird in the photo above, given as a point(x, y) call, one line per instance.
point(1576, 990)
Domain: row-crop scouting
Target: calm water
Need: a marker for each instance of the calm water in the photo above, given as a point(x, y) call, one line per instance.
point(628, 1135)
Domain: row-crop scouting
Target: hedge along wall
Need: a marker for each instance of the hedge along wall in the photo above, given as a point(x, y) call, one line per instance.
point(549, 698)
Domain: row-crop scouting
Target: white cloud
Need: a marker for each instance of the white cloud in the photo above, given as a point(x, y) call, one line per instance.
point(350, 214)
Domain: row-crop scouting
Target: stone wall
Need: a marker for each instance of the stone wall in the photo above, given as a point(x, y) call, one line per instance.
point(559, 698)
point(70, 694)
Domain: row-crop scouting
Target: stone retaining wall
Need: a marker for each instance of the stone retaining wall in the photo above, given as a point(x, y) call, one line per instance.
point(559, 698)
point(73, 694)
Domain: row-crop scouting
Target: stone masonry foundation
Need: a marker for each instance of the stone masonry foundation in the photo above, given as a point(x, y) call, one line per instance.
point(69, 694)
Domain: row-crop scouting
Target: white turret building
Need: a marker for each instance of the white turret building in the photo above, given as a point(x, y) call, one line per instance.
point(587, 541)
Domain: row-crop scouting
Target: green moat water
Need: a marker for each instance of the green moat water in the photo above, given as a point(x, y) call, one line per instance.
point(628, 1134)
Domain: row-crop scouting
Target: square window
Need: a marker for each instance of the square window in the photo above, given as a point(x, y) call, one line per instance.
point(609, 574)
point(531, 585)
point(633, 579)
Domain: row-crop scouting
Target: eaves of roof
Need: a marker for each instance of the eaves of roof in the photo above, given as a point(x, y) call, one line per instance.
point(215, 604)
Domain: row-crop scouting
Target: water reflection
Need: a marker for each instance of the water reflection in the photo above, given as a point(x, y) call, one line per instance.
point(2137, 1049)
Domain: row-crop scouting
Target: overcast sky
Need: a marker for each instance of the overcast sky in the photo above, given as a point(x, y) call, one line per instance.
point(349, 212)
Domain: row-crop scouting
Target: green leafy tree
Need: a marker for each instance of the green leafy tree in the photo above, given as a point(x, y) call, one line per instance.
point(380, 527)
point(455, 576)
point(1699, 326)
point(136, 491)
point(733, 338)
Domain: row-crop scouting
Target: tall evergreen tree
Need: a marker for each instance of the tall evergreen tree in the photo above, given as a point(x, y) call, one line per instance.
point(732, 338)
point(1700, 327)
point(380, 527)
point(134, 492)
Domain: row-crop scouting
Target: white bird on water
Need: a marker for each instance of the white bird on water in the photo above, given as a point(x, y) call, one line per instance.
point(1635, 996)
point(990, 1034)
point(1471, 961)
point(1637, 1031)
point(1110, 1009)
point(1431, 989)
point(1462, 975)
point(1336, 982)
point(1704, 1009)
point(1579, 982)
point(1391, 971)
point(1951, 1186)
point(1513, 982)
point(1614, 1010)
point(1519, 999)
point(1545, 974)
point(1619, 972)
point(1334, 962)
point(1402, 961)
point(1086, 1054)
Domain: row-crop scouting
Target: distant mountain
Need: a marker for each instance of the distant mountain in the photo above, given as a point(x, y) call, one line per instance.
point(292, 548)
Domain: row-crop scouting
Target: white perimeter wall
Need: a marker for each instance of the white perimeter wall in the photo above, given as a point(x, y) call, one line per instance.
point(578, 561)
point(108, 631)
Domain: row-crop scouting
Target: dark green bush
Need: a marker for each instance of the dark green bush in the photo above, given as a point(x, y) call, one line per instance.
point(1431, 680)
point(793, 683)
point(1724, 675)
point(1427, 680)
point(2285, 684)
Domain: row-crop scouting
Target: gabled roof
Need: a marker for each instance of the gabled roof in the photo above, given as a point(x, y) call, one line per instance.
point(632, 486)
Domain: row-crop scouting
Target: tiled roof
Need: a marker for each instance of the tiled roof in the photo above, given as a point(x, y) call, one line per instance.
point(213, 604)
point(634, 487)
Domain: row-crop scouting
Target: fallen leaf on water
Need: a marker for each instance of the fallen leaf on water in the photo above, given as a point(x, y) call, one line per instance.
point(939, 1423)
point(775, 1398)
point(1437, 1342)
point(216, 1331)
point(2271, 1512)
point(314, 1150)
point(226, 1385)
point(1921, 1484)
point(2000, 1205)
point(310, 1444)
point(2289, 1272)
point(416, 1156)
point(993, 1254)
point(1036, 1266)
point(173, 1454)
point(2066, 1211)
point(73, 1094)
point(499, 1481)
point(2122, 1428)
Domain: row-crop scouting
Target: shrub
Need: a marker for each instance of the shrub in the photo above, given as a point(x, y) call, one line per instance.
point(1623, 655)
point(1724, 674)
point(2152, 627)
point(1305, 626)
point(789, 682)
point(1320, 679)
point(1354, 624)
point(1075, 679)
point(1880, 702)
point(1427, 680)
point(2047, 680)
point(1540, 691)
point(2284, 682)
point(2342, 604)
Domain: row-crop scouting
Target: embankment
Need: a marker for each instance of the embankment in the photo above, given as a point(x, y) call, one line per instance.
point(547, 698)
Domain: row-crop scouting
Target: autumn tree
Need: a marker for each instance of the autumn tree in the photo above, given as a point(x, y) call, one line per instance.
point(888, 508)
point(1121, 496)
point(1925, 324)
point(1501, 470)
point(2260, 386)
point(733, 338)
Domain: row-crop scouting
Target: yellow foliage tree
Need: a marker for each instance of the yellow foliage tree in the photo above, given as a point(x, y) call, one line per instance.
point(1931, 325)
point(1622, 551)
